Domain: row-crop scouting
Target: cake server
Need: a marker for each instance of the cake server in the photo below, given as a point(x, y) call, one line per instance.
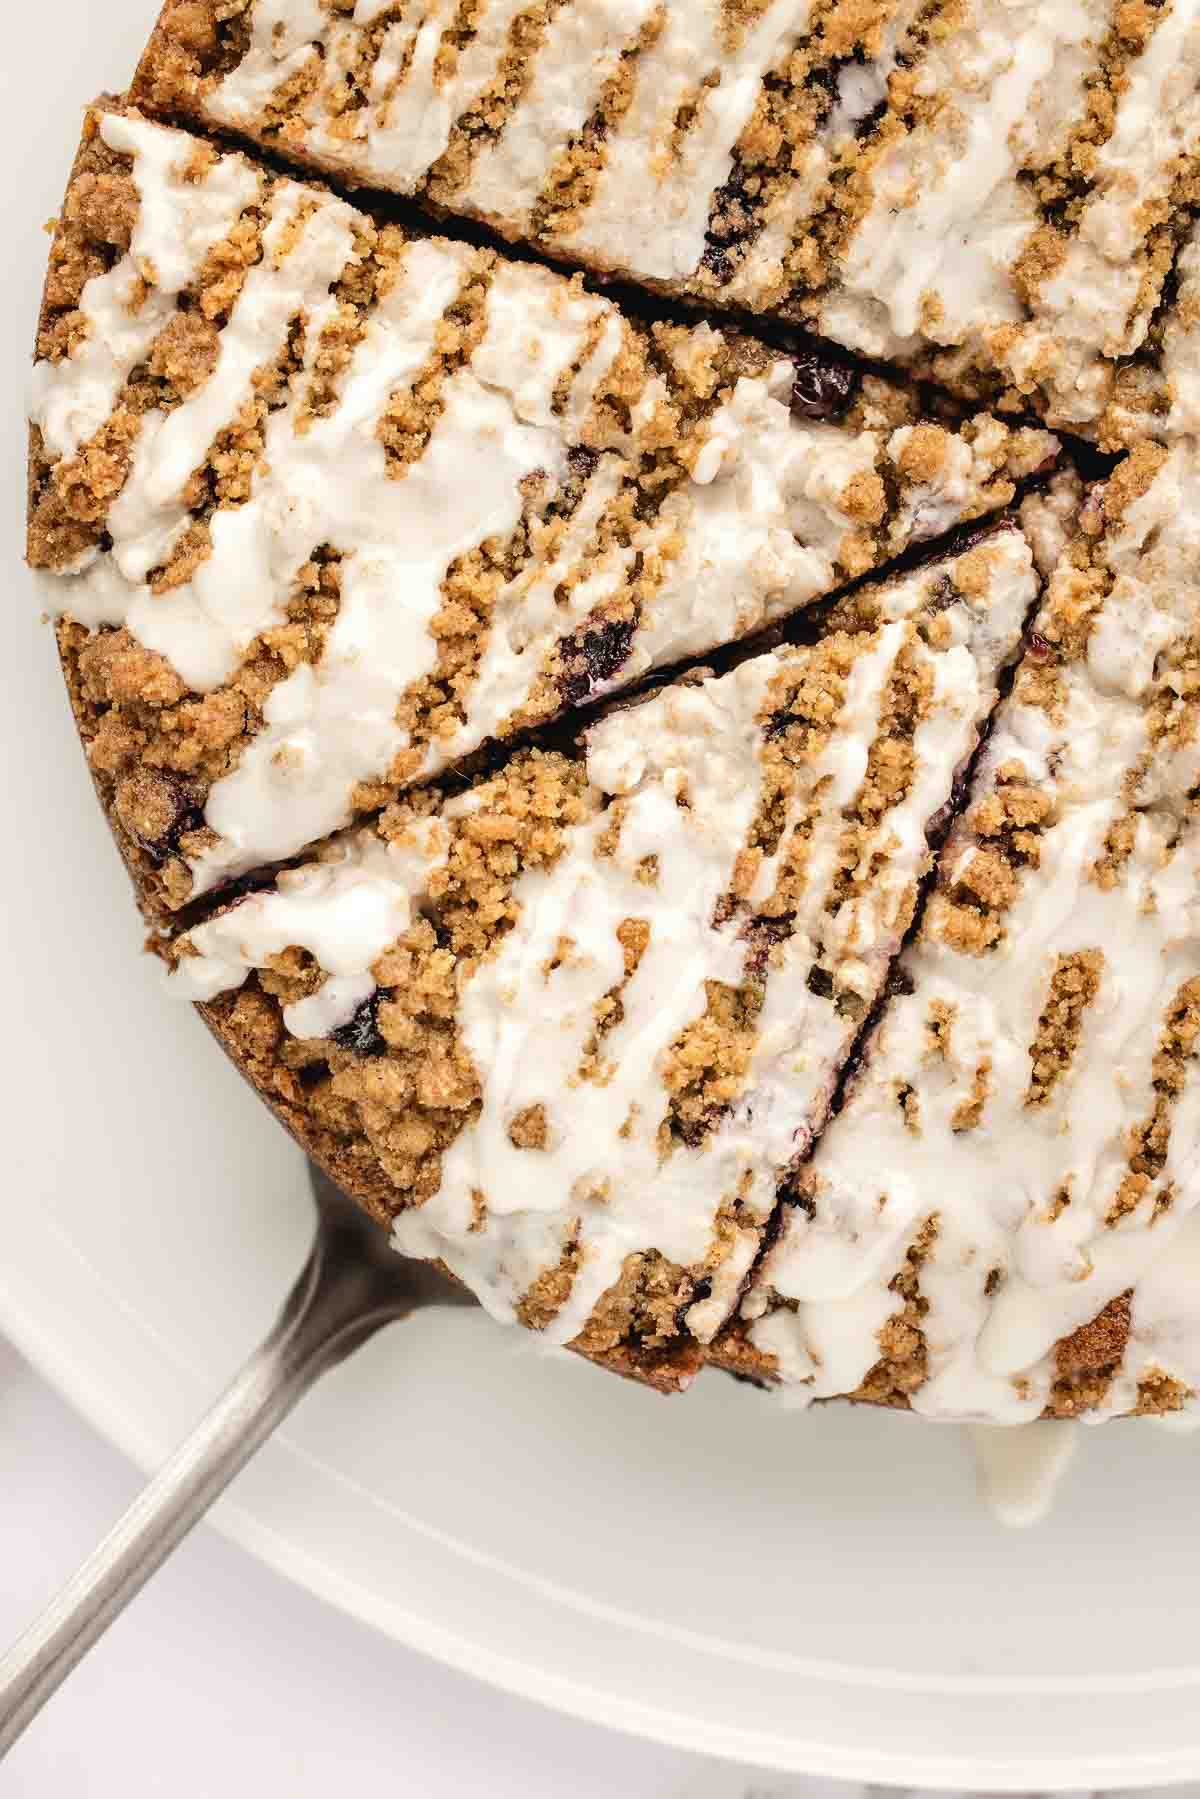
point(350, 1287)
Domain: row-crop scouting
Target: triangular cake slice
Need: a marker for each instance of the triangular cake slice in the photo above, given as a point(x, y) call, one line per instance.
point(1001, 1222)
point(570, 1028)
point(324, 506)
point(996, 190)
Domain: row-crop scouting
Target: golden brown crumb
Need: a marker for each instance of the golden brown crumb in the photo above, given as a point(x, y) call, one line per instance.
point(968, 1112)
point(1074, 984)
point(1149, 1141)
point(902, 1364)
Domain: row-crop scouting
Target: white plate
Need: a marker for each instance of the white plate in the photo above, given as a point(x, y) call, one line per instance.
point(813, 1593)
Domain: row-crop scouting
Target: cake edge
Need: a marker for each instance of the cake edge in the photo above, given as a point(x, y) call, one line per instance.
point(669, 1373)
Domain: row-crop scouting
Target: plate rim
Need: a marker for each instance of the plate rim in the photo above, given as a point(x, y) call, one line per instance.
point(139, 1441)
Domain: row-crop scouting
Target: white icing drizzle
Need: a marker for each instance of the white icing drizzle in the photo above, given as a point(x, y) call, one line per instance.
point(928, 508)
point(329, 726)
point(179, 221)
point(151, 514)
point(650, 207)
point(936, 257)
point(1094, 304)
point(1163, 1338)
point(284, 38)
point(397, 136)
point(530, 612)
point(1028, 1247)
point(756, 532)
point(414, 103)
point(1020, 1470)
point(947, 218)
point(759, 526)
point(580, 52)
point(332, 725)
point(1048, 519)
point(1181, 345)
point(204, 626)
point(414, 97)
point(861, 86)
point(344, 912)
point(538, 328)
point(628, 1198)
point(526, 1014)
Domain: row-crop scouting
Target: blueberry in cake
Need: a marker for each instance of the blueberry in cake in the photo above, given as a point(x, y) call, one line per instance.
point(694, 828)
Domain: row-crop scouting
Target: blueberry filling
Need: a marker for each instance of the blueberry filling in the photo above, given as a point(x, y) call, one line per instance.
point(591, 657)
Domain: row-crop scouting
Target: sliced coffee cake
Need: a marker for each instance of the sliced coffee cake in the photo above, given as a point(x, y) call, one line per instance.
point(998, 191)
point(1002, 1220)
point(323, 505)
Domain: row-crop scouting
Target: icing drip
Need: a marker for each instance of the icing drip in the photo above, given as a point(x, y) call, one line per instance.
point(1021, 1470)
point(669, 863)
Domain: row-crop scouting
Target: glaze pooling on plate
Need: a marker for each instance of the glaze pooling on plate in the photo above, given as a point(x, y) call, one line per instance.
point(588, 1115)
point(1006, 1202)
point(996, 190)
point(350, 502)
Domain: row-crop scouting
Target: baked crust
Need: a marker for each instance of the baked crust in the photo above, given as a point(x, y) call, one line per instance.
point(809, 166)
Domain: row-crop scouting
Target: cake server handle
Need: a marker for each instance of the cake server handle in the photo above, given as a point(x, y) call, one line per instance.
point(351, 1286)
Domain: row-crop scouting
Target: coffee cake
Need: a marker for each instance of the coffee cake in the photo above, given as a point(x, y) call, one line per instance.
point(569, 1029)
point(324, 505)
point(1001, 1222)
point(828, 1013)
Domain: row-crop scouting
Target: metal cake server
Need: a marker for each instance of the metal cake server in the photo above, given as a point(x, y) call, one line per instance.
point(351, 1286)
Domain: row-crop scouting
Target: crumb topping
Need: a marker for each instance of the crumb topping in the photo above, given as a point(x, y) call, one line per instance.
point(607, 964)
point(326, 507)
point(1038, 1061)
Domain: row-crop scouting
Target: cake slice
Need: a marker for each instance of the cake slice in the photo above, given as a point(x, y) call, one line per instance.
point(570, 1028)
point(993, 189)
point(1002, 1220)
point(323, 506)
